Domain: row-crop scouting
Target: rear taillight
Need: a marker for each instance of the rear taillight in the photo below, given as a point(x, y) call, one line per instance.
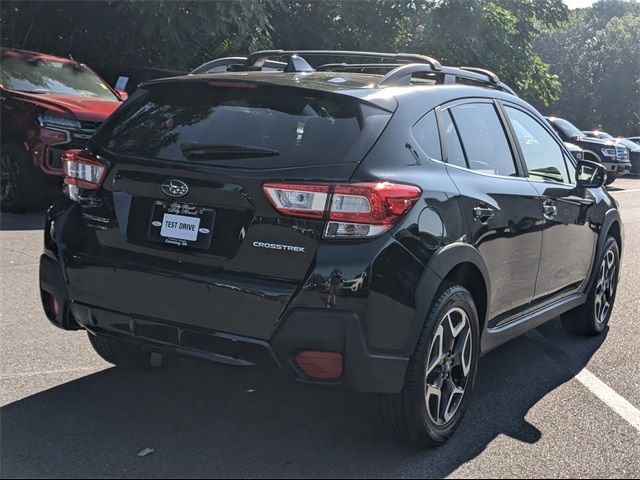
point(81, 170)
point(298, 200)
point(352, 210)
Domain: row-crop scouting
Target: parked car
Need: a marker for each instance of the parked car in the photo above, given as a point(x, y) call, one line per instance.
point(49, 105)
point(635, 140)
point(612, 155)
point(634, 154)
point(359, 231)
point(633, 147)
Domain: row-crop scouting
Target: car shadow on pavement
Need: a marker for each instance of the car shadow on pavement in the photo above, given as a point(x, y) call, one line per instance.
point(22, 221)
point(615, 187)
point(208, 421)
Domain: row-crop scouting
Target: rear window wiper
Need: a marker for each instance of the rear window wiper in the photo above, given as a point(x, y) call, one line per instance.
point(200, 151)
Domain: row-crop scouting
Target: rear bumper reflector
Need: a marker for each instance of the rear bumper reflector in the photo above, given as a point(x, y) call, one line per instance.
point(320, 365)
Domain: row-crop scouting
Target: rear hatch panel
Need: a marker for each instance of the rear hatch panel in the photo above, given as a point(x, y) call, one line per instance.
point(252, 260)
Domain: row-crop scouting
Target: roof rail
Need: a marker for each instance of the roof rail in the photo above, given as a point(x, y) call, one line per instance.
point(492, 76)
point(403, 75)
point(335, 67)
point(257, 59)
point(404, 66)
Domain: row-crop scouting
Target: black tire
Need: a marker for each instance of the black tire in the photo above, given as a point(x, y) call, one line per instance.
point(120, 353)
point(23, 186)
point(409, 415)
point(610, 179)
point(593, 317)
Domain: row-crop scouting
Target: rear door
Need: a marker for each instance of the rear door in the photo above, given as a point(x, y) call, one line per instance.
point(502, 209)
point(568, 240)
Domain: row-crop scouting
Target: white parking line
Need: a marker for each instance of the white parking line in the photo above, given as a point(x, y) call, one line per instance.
point(614, 401)
point(604, 392)
point(626, 190)
point(7, 376)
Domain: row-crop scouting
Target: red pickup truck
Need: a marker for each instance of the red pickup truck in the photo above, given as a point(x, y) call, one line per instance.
point(49, 105)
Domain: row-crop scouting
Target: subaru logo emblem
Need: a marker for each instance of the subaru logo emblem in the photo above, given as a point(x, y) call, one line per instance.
point(174, 188)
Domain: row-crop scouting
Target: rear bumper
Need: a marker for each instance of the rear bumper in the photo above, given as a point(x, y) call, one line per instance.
point(301, 329)
point(54, 295)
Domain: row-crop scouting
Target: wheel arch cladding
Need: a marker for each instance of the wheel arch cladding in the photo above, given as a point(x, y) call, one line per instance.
point(611, 226)
point(456, 263)
point(469, 276)
point(615, 232)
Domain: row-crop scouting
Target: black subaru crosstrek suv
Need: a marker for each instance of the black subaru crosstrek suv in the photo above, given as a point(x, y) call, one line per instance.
point(377, 232)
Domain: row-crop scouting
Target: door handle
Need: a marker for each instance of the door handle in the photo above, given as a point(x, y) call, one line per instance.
point(483, 214)
point(549, 210)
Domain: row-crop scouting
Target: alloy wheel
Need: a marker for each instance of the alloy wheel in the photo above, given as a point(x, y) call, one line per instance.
point(9, 173)
point(448, 366)
point(605, 287)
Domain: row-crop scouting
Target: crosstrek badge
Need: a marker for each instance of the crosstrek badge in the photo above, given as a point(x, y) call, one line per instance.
point(277, 246)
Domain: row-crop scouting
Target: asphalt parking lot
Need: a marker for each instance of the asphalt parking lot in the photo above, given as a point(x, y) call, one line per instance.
point(535, 412)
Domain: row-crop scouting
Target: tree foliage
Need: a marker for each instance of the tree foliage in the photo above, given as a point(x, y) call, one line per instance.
point(597, 56)
point(549, 55)
point(162, 33)
point(495, 34)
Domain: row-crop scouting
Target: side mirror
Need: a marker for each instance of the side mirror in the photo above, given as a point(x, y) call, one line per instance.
point(590, 174)
point(122, 95)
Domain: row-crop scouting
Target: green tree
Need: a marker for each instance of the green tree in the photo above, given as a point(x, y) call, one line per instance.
point(170, 34)
point(615, 69)
point(494, 34)
point(597, 56)
point(534, 45)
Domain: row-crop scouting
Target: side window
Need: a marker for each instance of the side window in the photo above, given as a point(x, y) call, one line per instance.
point(483, 139)
point(455, 154)
point(426, 134)
point(543, 156)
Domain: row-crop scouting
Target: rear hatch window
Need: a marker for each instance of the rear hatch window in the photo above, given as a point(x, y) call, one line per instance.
point(242, 125)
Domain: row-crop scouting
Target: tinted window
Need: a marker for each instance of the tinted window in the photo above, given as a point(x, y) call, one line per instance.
point(483, 139)
point(455, 154)
point(542, 154)
point(426, 134)
point(566, 127)
point(267, 124)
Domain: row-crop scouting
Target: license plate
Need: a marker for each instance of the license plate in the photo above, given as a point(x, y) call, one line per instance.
point(181, 224)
